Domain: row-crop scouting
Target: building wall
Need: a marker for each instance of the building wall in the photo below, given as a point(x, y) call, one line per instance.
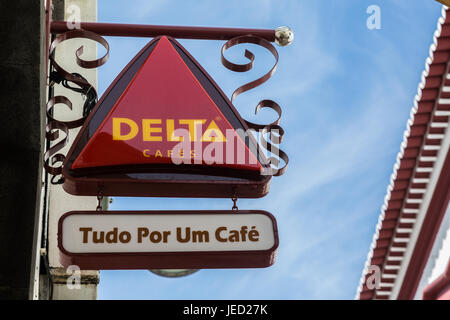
point(22, 100)
point(60, 202)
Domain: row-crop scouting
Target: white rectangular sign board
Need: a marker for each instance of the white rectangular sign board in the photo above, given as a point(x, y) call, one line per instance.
point(168, 239)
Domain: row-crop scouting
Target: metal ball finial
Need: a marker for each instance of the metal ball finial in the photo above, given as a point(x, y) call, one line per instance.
point(284, 36)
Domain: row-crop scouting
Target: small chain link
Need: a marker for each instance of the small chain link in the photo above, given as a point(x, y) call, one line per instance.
point(99, 205)
point(235, 207)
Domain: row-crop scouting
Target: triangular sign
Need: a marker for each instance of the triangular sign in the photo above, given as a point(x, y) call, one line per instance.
point(163, 110)
point(163, 96)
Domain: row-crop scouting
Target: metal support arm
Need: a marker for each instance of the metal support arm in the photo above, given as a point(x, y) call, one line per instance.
point(282, 35)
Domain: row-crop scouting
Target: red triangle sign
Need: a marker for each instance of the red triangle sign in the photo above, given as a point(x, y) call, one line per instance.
point(163, 96)
point(164, 109)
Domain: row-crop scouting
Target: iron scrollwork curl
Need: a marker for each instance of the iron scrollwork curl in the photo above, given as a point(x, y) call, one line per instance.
point(274, 130)
point(54, 126)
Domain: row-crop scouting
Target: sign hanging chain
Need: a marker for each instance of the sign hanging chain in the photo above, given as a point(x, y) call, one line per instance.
point(235, 207)
point(99, 204)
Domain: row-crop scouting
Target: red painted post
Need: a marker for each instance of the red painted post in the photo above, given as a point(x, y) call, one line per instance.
point(136, 30)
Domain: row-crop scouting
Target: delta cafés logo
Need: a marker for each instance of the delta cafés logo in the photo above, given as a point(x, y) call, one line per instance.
point(187, 141)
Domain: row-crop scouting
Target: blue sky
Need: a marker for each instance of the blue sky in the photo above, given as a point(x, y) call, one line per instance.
point(346, 94)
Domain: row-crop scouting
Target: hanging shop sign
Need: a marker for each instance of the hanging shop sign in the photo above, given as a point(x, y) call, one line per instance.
point(164, 128)
point(167, 239)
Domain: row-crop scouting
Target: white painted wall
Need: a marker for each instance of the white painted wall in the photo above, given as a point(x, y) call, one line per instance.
point(61, 202)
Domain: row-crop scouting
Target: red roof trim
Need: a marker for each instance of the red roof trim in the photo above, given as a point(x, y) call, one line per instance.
point(438, 287)
point(430, 228)
point(413, 169)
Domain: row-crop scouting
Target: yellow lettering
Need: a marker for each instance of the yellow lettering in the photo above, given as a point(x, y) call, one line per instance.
point(170, 129)
point(145, 153)
point(117, 133)
point(192, 125)
point(147, 130)
point(213, 133)
point(153, 131)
